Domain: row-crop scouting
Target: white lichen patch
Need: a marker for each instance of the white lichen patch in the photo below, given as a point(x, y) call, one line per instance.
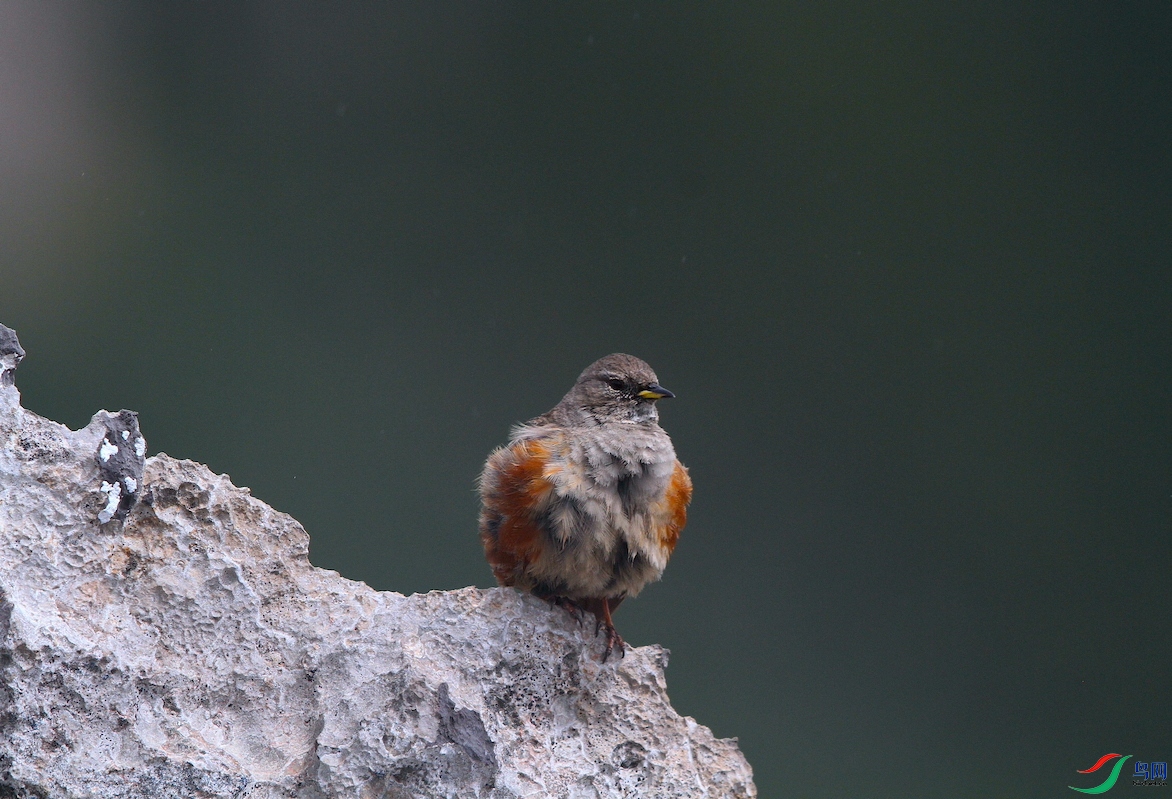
point(113, 492)
point(107, 451)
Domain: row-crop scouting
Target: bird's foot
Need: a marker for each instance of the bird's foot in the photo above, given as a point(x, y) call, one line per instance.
point(613, 641)
point(601, 608)
point(570, 606)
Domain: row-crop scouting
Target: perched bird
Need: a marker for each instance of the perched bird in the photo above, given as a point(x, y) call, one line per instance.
point(584, 505)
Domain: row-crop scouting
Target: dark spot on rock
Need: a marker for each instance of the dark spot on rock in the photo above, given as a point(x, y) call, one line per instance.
point(405, 771)
point(628, 754)
point(11, 354)
point(119, 461)
point(36, 448)
point(192, 496)
point(465, 728)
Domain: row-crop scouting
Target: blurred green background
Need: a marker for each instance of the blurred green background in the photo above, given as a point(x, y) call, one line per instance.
point(906, 265)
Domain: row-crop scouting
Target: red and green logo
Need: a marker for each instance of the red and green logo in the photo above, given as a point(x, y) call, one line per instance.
point(1108, 783)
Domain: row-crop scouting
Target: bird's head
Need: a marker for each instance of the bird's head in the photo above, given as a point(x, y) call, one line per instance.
point(617, 388)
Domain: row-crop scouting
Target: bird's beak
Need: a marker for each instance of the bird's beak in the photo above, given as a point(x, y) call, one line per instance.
point(655, 392)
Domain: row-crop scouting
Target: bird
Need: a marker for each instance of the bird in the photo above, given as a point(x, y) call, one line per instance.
point(585, 503)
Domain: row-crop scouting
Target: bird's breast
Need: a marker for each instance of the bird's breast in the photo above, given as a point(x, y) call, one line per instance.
point(606, 494)
point(609, 510)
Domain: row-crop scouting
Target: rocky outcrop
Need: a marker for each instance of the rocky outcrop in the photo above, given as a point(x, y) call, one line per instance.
point(163, 634)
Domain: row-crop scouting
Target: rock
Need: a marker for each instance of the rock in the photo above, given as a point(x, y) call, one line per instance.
point(170, 638)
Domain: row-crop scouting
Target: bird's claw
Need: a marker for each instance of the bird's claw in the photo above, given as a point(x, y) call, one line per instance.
point(613, 641)
point(602, 623)
point(571, 607)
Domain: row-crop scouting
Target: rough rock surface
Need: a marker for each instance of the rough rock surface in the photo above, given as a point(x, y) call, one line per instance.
point(171, 639)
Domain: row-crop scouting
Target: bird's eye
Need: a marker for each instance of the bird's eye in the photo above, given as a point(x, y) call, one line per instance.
point(615, 383)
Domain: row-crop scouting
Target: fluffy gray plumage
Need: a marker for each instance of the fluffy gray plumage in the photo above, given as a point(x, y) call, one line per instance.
point(608, 391)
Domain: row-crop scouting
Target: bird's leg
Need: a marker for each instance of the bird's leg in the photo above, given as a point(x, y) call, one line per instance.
point(613, 639)
point(601, 609)
point(570, 606)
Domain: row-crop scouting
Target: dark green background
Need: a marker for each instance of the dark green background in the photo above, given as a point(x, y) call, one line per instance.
point(905, 264)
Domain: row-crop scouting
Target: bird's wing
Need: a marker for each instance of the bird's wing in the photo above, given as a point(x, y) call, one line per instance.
point(671, 513)
point(515, 492)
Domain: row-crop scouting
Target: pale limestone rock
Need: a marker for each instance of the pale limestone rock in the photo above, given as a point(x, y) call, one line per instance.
point(188, 648)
